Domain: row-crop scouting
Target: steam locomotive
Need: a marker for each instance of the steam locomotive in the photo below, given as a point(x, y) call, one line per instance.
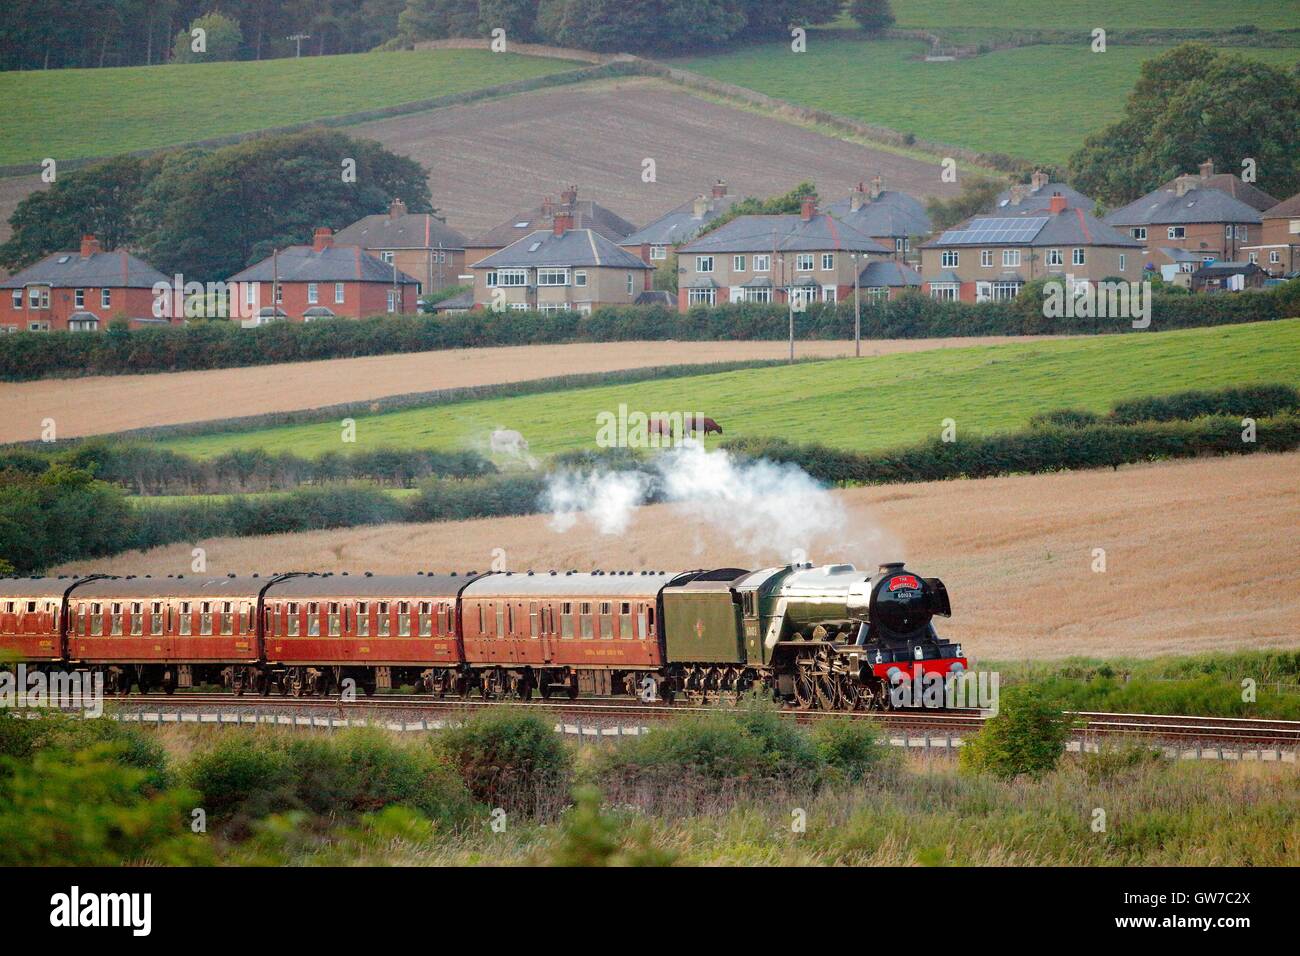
point(827, 637)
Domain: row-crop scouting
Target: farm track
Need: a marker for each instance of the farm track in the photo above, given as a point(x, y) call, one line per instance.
point(958, 720)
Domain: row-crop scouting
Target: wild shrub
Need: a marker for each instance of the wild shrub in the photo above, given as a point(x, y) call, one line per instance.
point(591, 836)
point(133, 747)
point(510, 760)
point(852, 748)
point(1117, 761)
point(1026, 737)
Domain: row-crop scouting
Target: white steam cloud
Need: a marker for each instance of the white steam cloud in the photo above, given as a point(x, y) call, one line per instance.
point(767, 509)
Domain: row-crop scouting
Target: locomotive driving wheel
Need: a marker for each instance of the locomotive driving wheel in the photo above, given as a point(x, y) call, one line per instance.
point(804, 689)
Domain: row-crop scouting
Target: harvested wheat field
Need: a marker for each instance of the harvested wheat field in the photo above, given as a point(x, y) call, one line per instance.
point(111, 403)
point(1200, 555)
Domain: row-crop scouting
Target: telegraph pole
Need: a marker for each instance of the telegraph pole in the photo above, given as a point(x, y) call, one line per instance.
point(857, 312)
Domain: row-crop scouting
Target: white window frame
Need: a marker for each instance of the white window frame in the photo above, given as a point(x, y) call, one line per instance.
point(758, 295)
point(339, 292)
point(945, 291)
point(1078, 257)
point(762, 263)
point(1005, 289)
point(1138, 232)
point(830, 293)
point(1274, 257)
point(1177, 232)
point(552, 276)
point(701, 297)
point(392, 300)
point(18, 299)
point(507, 278)
point(386, 257)
point(313, 293)
point(803, 262)
point(828, 262)
point(1010, 258)
point(631, 284)
point(1055, 257)
point(704, 264)
point(737, 263)
point(79, 298)
point(580, 279)
point(986, 258)
point(106, 298)
point(1123, 262)
point(949, 259)
point(658, 252)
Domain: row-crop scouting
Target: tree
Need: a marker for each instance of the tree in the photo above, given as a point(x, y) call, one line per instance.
point(872, 15)
point(977, 195)
point(221, 38)
point(774, 18)
point(1192, 104)
point(517, 17)
point(208, 215)
point(99, 199)
point(785, 204)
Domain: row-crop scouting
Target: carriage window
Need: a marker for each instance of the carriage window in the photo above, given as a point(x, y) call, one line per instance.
point(584, 612)
point(205, 617)
point(156, 618)
point(444, 619)
point(532, 619)
point(625, 620)
point(404, 619)
point(294, 621)
point(334, 619)
point(313, 619)
point(566, 619)
point(272, 619)
point(249, 614)
point(137, 619)
point(606, 620)
point(426, 620)
point(501, 619)
point(641, 623)
point(187, 622)
point(383, 619)
point(227, 618)
point(115, 618)
point(650, 628)
point(96, 620)
point(31, 607)
point(363, 618)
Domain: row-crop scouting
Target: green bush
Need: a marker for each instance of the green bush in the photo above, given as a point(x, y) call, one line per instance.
point(1115, 761)
point(508, 759)
point(852, 747)
point(591, 837)
point(1026, 737)
point(87, 808)
point(1256, 401)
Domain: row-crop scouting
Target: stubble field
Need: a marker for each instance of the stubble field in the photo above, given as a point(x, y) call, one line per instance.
point(1200, 555)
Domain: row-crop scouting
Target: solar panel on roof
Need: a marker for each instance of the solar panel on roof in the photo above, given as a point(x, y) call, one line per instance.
point(995, 231)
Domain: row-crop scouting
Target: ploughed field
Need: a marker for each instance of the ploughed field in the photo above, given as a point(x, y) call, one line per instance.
point(1199, 555)
point(868, 404)
point(112, 403)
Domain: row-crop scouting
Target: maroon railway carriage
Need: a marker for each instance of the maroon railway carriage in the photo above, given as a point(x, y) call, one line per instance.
point(578, 633)
point(31, 618)
point(164, 632)
point(323, 629)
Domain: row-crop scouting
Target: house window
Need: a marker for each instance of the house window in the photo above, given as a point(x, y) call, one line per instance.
point(1054, 257)
point(630, 284)
point(312, 293)
point(803, 262)
point(986, 258)
point(658, 252)
point(386, 257)
point(1138, 232)
point(518, 306)
point(1010, 257)
point(279, 295)
point(704, 263)
point(552, 277)
point(1005, 289)
point(1078, 257)
point(392, 301)
point(829, 293)
point(828, 261)
point(18, 298)
point(1177, 232)
point(946, 291)
point(950, 258)
point(507, 277)
point(105, 298)
point(79, 297)
point(762, 263)
point(1123, 259)
point(1274, 257)
point(554, 307)
point(877, 294)
point(700, 296)
point(1253, 258)
point(902, 244)
point(1243, 233)
point(83, 325)
point(580, 279)
point(338, 292)
point(737, 263)
point(38, 326)
point(758, 295)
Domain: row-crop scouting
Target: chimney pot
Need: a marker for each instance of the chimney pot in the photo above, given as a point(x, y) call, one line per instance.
point(1057, 204)
point(569, 196)
point(719, 189)
point(563, 223)
point(855, 197)
point(807, 208)
point(89, 246)
point(1038, 180)
point(322, 238)
point(396, 208)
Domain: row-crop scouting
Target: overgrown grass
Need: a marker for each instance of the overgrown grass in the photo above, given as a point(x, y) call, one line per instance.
point(117, 110)
point(1034, 102)
point(1080, 14)
point(862, 405)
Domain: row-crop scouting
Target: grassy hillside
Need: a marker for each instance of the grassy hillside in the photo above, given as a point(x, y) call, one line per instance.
point(860, 404)
point(1080, 14)
point(105, 112)
point(1035, 102)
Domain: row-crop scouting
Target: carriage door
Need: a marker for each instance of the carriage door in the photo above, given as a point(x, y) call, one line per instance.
point(537, 629)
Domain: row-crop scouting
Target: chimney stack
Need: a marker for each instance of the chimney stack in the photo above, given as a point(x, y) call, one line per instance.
point(563, 222)
point(1019, 193)
point(89, 246)
point(396, 208)
point(1183, 185)
point(1207, 169)
point(548, 207)
point(1038, 180)
point(1057, 204)
point(322, 238)
point(719, 189)
point(856, 197)
point(807, 208)
point(569, 196)
point(877, 187)
point(701, 207)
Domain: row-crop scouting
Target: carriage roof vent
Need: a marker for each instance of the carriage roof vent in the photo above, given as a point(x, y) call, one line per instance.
point(370, 574)
point(890, 566)
point(552, 572)
point(530, 573)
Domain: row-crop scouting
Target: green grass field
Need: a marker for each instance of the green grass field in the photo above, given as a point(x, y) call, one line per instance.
point(1035, 102)
point(1086, 14)
point(70, 114)
point(865, 404)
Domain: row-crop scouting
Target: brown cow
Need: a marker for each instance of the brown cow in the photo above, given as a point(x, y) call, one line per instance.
point(709, 426)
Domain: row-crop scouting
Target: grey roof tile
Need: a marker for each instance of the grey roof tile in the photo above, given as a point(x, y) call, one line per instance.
point(785, 233)
point(63, 270)
point(888, 273)
point(577, 247)
point(332, 264)
point(587, 214)
point(679, 225)
point(890, 214)
point(1164, 206)
point(407, 231)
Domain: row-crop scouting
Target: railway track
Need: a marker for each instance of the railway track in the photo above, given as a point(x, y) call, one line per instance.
point(1224, 730)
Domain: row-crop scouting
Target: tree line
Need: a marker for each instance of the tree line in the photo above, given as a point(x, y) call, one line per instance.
point(100, 33)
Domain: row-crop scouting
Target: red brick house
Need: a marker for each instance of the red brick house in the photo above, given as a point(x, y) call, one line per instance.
point(79, 291)
point(322, 281)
